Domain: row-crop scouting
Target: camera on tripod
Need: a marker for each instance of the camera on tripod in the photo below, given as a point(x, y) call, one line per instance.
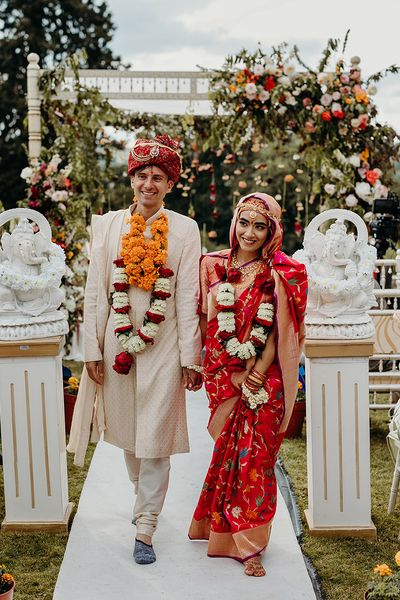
point(385, 228)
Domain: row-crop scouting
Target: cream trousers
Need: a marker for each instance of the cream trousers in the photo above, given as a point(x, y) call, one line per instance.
point(150, 477)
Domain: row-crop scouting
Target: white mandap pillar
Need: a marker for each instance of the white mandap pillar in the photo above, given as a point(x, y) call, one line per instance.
point(338, 450)
point(339, 342)
point(33, 102)
point(33, 435)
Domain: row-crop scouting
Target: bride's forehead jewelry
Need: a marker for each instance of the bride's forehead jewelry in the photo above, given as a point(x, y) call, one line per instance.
point(256, 206)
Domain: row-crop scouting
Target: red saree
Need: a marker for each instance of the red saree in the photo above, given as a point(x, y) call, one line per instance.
point(238, 498)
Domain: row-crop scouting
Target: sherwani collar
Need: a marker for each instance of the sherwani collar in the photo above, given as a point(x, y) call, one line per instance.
point(161, 210)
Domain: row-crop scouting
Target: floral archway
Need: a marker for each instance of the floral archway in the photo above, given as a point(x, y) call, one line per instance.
point(310, 137)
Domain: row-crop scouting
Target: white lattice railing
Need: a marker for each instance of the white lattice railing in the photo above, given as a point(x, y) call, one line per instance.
point(140, 85)
point(385, 376)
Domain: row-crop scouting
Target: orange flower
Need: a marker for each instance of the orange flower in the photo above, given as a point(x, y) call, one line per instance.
point(251, 514)
point(362, 96)
point(143, 258)
point(253, 474)
point(217, 517)
point(383, 570)
point(364, 155)
point(288, 178)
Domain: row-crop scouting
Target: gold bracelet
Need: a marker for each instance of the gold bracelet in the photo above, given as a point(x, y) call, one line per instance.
point(258, 374)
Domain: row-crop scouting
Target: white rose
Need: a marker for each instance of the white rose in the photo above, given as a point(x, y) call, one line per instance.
point(289, 70)
point(336, 96)
point(26, 173)
point(363, 190)
point(70, 304)
point(264, 95)
point(354, 160)
point(281, 111)
point(336, 106)
point(289, 99)
point(330, 188)
point(351, 201)
point(336, 173)
point(258, 70)
point(59, 196)
point(284, 80)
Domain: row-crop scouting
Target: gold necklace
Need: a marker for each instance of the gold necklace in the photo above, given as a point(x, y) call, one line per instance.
point(246, 270)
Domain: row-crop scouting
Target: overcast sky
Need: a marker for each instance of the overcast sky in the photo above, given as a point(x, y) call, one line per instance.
point(180, 34)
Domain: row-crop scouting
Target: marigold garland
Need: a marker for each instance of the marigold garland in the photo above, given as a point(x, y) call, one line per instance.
point(143, 258)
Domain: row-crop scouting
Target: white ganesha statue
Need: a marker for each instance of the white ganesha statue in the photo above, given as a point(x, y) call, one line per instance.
point(340, 267)
point(31, 269)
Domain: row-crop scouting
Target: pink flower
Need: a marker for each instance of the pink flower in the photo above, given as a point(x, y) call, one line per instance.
point(326, 99)
point(251, 91)
point(344, 78)
point(336, 96)
point(310, 126)
point(307, 102)
point(380, 191)
point(318, 108)
point(259, 70)
point(345, 90)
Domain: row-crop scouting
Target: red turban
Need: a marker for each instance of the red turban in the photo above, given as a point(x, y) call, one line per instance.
point(162, 152)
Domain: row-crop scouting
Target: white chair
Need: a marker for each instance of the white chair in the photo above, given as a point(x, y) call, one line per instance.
point(393, 441)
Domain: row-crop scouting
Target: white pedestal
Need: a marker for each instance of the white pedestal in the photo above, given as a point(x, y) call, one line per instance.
point(33, 435)
point(338, 450)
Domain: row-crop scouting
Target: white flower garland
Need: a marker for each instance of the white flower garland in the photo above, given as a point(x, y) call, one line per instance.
point(50, 276)
point(227, 325)
point(130, 341)
point(255, 399)
point(342, 287)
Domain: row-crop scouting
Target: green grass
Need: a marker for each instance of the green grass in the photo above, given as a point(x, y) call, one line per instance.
point(345, 565)
point(35, 558)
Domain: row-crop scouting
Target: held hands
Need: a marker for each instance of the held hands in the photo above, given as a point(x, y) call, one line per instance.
point(191, 379)
point(95, 370)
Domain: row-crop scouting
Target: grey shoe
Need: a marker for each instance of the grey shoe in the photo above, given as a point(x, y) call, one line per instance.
point(143, 553)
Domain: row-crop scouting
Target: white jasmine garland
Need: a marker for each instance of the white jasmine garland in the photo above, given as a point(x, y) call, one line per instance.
point(259, 333)
point(227, 324)
point(253, 400)
point(130, 341)
point(266, 311)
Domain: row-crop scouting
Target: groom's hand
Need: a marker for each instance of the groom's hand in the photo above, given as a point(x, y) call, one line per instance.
point(192, 380)
point(95, 370)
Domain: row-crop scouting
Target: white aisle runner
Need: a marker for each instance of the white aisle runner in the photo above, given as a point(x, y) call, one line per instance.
point(98, 563)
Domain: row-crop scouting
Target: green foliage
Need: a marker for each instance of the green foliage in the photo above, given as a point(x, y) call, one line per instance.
point(53, 30)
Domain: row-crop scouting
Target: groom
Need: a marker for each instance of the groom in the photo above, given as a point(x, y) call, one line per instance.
point(144, 261)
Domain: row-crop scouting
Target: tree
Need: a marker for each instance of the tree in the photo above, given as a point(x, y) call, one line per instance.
point(53, 29)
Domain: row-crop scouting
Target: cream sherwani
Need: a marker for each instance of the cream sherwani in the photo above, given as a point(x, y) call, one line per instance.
point(144, 411)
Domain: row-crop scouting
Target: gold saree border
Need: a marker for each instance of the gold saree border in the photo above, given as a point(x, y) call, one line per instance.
point(239, 546)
